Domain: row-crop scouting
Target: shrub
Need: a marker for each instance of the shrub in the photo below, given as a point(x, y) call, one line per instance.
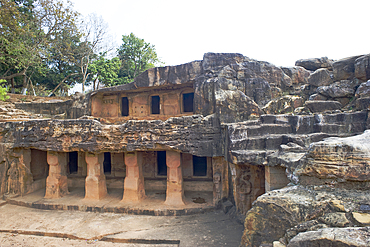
point(3, 93)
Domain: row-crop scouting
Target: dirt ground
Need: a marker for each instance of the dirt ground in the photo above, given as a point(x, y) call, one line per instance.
point(22, 226)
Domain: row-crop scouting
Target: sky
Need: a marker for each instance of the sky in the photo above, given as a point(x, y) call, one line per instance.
point(276, 31)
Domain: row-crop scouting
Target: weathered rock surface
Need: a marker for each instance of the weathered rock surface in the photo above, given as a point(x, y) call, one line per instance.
point(363, 90)
point(317, 96)
point(344, 69)
point(298, 74)
point(233, 105)
point(320, 77)
point(283, 105)
point(340, 159)
point(322, 106)
point(351, 236)
point(362, 68)
point(338, 89)
point(299, 210)
point(315, 63)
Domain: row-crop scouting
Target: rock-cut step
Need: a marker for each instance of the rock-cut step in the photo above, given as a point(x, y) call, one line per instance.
point(240, 131)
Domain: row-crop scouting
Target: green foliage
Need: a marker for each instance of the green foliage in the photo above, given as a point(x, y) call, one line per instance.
point(28, 31)
point(3, 92)
point(106, 70)
point(136, 56)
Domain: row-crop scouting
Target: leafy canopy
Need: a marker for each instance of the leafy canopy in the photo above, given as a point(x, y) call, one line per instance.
point(136, 56)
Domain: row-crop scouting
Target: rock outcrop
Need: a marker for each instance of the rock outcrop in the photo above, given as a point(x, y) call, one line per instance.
point(321, 205)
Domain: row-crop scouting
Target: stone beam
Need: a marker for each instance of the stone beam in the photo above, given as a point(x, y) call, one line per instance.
point(95, 184)
point(56, 182)
point(134, 181)
point(175, 189)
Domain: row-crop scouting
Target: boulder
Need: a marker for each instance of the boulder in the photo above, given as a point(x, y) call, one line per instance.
point(322, 106)
point(284, 104)
point(362, 103)
point(344, 69)
point(284, 208)
point(362, 67)
point(343, 237)
point(287, 214)
point(363, 90)
point(343, 159)
point(317, 96)
point(320, 77)
point(338, 89)
point(315, 63)
point(298, 74)
point(235, 106)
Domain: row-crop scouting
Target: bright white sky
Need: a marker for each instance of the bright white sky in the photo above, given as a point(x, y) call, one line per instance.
point(277, 31)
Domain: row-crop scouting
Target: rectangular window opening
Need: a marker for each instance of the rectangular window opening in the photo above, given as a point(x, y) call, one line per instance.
point(107, 164)
point(155, 105)
point(199, 166)
point(125, 107)
point(161, 163)
point(188, 100)
point(73, 162)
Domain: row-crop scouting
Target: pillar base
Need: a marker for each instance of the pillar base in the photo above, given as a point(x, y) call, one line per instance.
point(174, 199)
point(95, 188)
point(56, 187)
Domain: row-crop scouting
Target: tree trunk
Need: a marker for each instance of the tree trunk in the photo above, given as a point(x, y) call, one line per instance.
point(24, 89)
point(12, 82)
point(62, 83)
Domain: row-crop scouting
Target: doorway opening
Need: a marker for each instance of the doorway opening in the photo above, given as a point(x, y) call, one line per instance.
point(73, 162)
point(107, 163)
point(199, 166)
point(161, 163)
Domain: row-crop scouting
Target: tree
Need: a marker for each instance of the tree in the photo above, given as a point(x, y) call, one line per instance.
point(94, 31)
point(136, 56)
point(105, 71)
point(3, 93)
point(28, 29)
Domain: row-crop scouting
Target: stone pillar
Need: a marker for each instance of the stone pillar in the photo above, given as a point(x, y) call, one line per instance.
point(56, 182)
point(175, 190)
point(134, 181)
point(95, 184)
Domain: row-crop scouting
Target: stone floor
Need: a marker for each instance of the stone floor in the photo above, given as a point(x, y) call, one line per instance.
point(195, 202)
point(25, 226)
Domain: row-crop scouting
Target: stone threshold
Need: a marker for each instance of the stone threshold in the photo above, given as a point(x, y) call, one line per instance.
point(152, 205)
